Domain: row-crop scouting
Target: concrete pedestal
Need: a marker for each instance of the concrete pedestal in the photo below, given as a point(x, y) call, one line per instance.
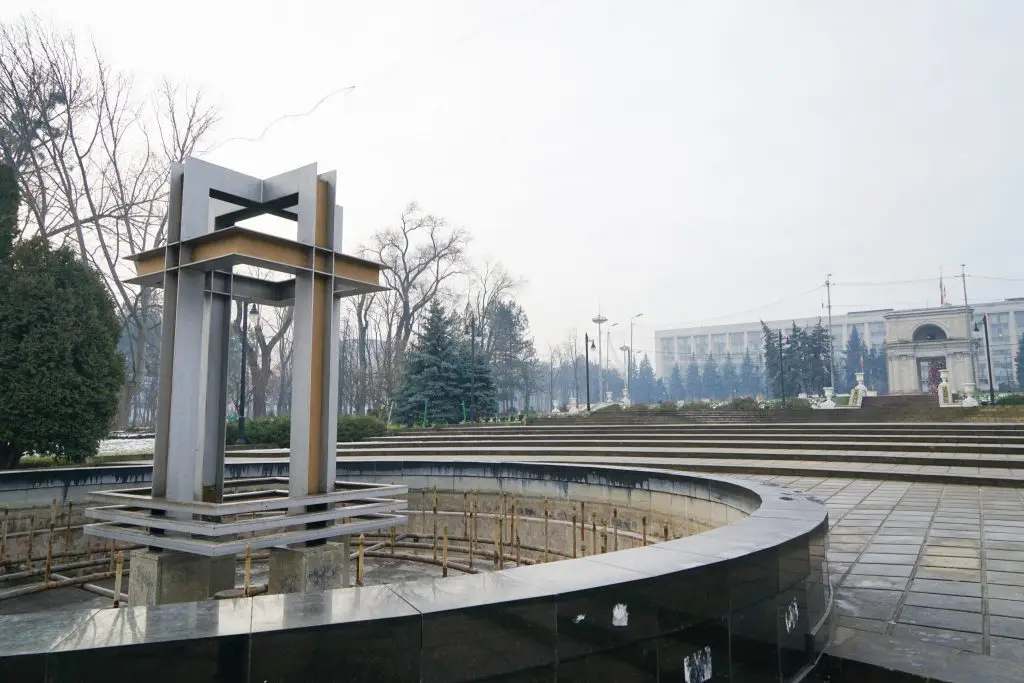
point(305, 570)
point(160, 577)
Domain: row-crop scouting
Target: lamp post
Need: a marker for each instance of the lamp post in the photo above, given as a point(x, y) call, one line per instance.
point(629, 365)
point(472, 367)
point(625, 392)
point(588, 344)
point(988, 358)
point(253, 315)
point(782, 370)
point(600, 320)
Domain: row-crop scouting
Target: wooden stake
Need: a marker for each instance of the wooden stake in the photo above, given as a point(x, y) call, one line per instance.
point(359, 561)
point(32, 540)
point(546, 515)
point(583, 528)
point(3, 535)
point(117, 579)
point(67, 532)
point(519, 559)
point(504, 515)
point(465, 512)
point(248, 571)
point(49, 542)
point(643, 521)
point(435, 526)
point(666, 533)
point(444, 554)
point(392, 541)
point(593, 524)
point(423, 512)
point(604, 540)
point(512, 531)
point(573, 534)
point(472, 537)
point(497, 539)
point(615, 528)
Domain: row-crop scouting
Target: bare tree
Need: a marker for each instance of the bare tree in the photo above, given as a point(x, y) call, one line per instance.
point(96, 174)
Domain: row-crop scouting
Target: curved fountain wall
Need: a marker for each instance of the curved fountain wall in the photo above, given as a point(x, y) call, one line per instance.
point(743, 596)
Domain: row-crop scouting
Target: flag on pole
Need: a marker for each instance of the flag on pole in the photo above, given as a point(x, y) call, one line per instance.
point(862, 363)
point(942, 290)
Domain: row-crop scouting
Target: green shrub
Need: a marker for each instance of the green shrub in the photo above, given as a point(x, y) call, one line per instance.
point(1010, 400)
point(34, 461)
point(637, 406)
point(611, 407)
point(798, 404)
point(359, 427)
point(668, 406)
point(743, 403)
point(698, 405)
point(275, 430)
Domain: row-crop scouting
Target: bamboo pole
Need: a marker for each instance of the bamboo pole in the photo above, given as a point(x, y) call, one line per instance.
point(666, 533)
point(593, 541)
point(423, 512)
point(512, 531)
point(359, 562)
point(615, 528)
point(47, 585)
point(643, 522)
point(465, 512)
point(3, 535)
point(583, 528)
point(547, 514)
point(67, 531)
point(31, 541)
point(604, 540)
point(472, 537)
point(573, 534)
point(497, 540)
point(435, 524)
point(393, 532)
point(119, 570)
point(49, 541)
point(247, 576)
point(444, 554)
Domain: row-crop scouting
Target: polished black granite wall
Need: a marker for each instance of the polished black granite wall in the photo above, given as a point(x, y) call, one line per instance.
point(745, 602)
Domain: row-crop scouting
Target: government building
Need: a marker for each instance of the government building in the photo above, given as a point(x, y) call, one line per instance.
point(916, 341)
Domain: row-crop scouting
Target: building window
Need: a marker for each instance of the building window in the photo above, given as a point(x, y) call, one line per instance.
point(1018, 319)
point(999, 326)
point(718, 344)
point(876, 334)
point(683, 346)
point(702, 345)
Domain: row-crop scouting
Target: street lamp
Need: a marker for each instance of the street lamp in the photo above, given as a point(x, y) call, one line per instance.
point(588, 344)
point(629, 365)
point(253, 318)
point(472, 368)
point(988, 358)
point(783, 342)
point(600, 320)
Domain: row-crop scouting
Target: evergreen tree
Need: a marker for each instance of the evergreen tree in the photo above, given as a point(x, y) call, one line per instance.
point(711, 380)
point(660, 391)
point(748, 380)
point(876, 374)
point(730, 378)
point(1020, 361)
point(644, 389)
point(772, 358)
point(853, 360)
point(694, 391)
point(440, 378)
point(61, 371)
point(816, 360)
point(676, 390)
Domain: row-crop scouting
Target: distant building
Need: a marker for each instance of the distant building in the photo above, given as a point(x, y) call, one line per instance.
point(1005, 318)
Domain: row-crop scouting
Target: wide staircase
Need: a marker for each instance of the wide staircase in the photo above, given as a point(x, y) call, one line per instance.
point(903, 403)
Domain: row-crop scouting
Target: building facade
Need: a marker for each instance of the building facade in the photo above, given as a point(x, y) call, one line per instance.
point(1005, 324)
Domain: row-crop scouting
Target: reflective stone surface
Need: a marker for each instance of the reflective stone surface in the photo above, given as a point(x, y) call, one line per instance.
point(744, 602)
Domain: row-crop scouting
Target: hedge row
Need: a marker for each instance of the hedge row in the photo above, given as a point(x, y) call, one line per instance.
point(276, 430)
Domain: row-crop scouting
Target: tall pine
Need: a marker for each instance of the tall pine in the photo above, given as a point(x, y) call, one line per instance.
point(694, 391)
point(676, 390)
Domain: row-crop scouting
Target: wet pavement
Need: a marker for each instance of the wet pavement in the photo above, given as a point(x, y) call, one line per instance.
point(936, 564)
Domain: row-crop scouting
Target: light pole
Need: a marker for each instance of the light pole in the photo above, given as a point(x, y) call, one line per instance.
point(629, 365)
point(600, 320)
point(588, 344)
point(472, 367)
point(782, 370)
point(253, 315)
point(988, 358)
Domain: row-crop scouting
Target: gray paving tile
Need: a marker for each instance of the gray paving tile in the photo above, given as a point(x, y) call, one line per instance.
point(861, 624)
point(935, 600)
point(1005, 592)
point(1008, 627)
point(888, 558)
point(950, 562)
point(1006, 648)
point(881, 569)
point(1005, 578)
point(1004, 565)
point(879, 582)
point(951, 551)
point(1006, 608)
point(940, 618)
point(959, 640)
point(946, 574)
point(972, 590)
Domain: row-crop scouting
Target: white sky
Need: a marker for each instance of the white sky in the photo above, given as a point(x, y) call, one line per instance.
point(683, 159)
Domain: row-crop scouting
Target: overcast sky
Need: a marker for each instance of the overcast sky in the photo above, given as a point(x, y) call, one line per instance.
point(687, 160)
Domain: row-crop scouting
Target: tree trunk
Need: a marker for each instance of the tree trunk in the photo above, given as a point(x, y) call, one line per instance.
point(8, 457)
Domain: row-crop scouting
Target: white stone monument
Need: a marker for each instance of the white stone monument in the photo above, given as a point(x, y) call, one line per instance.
point(859, 391)
point(969, 400)
point(945, 393)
